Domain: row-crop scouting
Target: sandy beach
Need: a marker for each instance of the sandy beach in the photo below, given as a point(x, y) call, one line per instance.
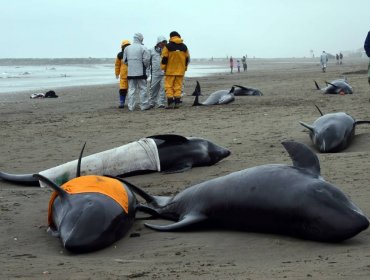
point(39, 134)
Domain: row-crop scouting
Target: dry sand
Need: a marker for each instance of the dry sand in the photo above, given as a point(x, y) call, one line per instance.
point(38, 134)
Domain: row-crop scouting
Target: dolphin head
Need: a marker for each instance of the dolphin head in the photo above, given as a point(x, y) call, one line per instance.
point(329, 138)
point(91, 222)
point(90, 212)
point(331, 216)
point(216, 153)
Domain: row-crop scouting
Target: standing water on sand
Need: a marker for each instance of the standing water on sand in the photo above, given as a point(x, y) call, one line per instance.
point(49, 74)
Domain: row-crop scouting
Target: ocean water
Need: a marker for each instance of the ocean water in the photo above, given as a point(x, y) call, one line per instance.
point(39, 76)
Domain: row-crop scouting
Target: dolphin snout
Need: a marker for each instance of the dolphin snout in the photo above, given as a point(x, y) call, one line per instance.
point(80, 231)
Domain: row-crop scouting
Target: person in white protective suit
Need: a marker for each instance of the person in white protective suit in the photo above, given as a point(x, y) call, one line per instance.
point(156, 90)
point(137, 58)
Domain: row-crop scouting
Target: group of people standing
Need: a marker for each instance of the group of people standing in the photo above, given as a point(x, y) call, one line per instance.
point(244, 62)
point(339, 58)
point(166, 64)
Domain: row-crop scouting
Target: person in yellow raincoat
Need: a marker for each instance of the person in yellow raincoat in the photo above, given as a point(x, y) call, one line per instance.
point(174, 62)
point(120, 70)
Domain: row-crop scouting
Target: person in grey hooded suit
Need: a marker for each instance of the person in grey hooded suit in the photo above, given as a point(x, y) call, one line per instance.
point(137, 58)
point(157, 93)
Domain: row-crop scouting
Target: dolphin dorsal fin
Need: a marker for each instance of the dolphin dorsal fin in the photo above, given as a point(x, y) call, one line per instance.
point(78, 172)
point(197, 90)
point(303, 157)
point(62, 193)
point(310, 127)
point(232, 89)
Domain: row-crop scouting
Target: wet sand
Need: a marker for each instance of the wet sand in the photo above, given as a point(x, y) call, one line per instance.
point(38, 134)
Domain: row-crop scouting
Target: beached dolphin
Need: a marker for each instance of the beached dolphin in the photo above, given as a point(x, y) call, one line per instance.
point(164, 153)
point(90, 212)
point(332, 132)
point(340, 86)
point(274, 198)
point(216, 98)
point(244, 91)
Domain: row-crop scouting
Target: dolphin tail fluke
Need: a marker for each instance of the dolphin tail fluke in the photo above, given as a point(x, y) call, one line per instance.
point(317, 86)
point(62, 193)
point(317, 107)
point(310, 127)
point(187, 221)
point(20, 179)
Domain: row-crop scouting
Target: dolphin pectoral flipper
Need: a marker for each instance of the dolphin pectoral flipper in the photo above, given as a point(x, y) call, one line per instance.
point(173, 138)
point(362, 122)
point(310, 127)
point(241, 87)
point(332, 84)
point(317, 86)
point(303, 157)
point(21, 179)
point(179, 167)
point(188, 220)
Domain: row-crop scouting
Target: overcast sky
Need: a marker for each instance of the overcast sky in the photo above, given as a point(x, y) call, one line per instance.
point(218, 28)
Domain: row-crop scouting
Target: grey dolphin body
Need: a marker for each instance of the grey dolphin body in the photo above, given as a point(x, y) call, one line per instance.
point(332, 132)
point(216, 98)
point(275, 198)
point(340, 86)
point(176, 154)
point(244, 91)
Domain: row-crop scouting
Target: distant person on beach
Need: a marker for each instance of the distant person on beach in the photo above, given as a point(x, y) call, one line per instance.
point(137, 57)
point(323, 60)
point(175, 60)
point(244, 61)
point(120, 70)
point(156, 89)
point(238, 65)
point(231, 64)
point(337, 58)
point(340, 58)
point(367, 50)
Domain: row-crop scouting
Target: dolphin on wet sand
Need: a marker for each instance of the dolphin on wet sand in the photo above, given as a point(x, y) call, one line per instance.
point(91, 212)
point(332, 132)
point(273, 198)
point(167, 153)
point(340, 86)
point(216, 98)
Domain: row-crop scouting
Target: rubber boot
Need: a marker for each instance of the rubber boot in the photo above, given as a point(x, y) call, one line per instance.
point(177, 103)
point(122, 98)
point(170, 103)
